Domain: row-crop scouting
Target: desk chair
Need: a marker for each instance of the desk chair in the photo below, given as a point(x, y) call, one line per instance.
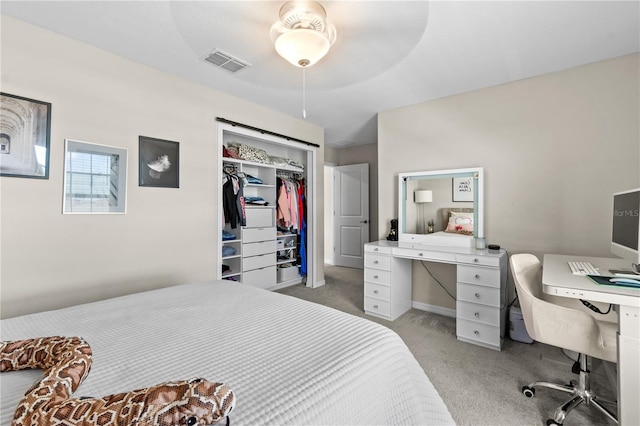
point(564, 327)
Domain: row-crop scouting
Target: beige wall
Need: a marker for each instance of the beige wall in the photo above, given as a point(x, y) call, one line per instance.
point(167, 237)
point(331, 156)
point(554, 149)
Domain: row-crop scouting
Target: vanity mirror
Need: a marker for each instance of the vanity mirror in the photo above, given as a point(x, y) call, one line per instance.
point(443, 207)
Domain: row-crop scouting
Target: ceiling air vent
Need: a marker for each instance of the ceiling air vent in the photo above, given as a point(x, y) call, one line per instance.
point(224, 60)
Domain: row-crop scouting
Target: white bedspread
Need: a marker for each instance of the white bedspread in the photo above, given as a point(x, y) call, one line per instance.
point(288, 361)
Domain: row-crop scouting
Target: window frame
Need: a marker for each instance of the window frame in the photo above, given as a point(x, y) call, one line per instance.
point(120, 171)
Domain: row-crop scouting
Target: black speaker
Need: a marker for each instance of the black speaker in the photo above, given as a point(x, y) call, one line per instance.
point(393, 233)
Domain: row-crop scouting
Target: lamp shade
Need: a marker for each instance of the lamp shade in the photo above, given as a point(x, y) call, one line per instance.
point(303, 35)
point(423, 196)
point(302, 47)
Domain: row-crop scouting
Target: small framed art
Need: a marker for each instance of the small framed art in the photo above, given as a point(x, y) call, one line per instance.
point(463, 188)
point(25, 131)
point(158, 163)
point(95, 178)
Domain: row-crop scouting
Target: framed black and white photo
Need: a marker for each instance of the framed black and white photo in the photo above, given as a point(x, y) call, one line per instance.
point(25, 131)
point(159, 163)
point(463, 188)
point(95, 178)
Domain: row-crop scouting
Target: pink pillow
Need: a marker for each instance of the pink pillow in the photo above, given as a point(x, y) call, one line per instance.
point(460, 223)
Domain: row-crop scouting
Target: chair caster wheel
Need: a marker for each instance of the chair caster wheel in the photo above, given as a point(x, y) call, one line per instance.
point(528, 392)
point(552, 422)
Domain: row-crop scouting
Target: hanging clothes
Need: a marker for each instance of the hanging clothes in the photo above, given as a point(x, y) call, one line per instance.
point(303, 240)
point(233, 201)
point(287, 213)
point(291, 213)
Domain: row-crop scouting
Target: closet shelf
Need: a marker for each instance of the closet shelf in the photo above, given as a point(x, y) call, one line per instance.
point(235, 256)
point(260, 185)
point(230, 274)
point(254, 163)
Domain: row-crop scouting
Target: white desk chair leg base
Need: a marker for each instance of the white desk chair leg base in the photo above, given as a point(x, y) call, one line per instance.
point(581, 391)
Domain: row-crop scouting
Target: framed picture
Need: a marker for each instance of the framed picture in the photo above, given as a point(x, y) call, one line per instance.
point(95, 178)
point(463, 188)
point(159, 163)
point(25, 131)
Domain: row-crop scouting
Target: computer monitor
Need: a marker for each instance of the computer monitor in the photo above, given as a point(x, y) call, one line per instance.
point(625, 235)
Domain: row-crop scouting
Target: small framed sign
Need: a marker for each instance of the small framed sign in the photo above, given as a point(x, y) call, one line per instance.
point(463, 188)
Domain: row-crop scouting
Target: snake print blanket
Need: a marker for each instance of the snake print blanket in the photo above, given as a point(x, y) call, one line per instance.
point(66, 362)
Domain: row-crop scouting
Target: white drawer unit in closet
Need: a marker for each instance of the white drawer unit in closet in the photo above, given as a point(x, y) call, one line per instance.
point(381, 298)
point(263, 277)
point(259, 254)
point(260, 217)
point(480, 305)
point(254, 235)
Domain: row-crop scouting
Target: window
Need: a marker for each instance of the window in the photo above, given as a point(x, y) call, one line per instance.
point(95, 178)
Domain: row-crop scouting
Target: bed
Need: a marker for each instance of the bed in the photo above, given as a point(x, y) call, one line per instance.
point(288, 361)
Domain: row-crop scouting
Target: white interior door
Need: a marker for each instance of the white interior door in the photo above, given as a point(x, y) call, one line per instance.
point(351, 214)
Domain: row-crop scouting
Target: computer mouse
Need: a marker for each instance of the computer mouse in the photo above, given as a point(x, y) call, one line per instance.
point(624, 281)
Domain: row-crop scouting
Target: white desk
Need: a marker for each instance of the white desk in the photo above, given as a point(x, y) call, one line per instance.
point(558, 280)
point(481, 282)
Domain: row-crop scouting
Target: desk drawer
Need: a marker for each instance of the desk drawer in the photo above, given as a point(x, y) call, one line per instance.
point(377, 261)
point(257, 262)
point(489, 277)
point(479, 313)
point(377, 291)
point(253, 235)
point(478, 260)
point(477, 331)
point(377, 249)
point(478, 294)
point(427, 255)
point(255, 249)
point(377, 276)
point(376, 306)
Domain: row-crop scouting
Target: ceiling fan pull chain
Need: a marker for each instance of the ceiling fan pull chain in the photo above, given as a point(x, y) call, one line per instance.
point(304, 93)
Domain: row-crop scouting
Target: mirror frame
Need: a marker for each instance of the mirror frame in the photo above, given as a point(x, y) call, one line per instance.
point(478, 203)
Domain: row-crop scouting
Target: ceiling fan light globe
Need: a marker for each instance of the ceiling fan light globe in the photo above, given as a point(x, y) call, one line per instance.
point(302, 47)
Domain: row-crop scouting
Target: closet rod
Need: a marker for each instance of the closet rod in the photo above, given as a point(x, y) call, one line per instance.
point(289, 138)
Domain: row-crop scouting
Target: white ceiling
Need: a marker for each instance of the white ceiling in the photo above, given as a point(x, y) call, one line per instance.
point(387, 55)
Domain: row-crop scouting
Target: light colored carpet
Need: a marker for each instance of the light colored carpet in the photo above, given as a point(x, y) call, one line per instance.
point(480, 386)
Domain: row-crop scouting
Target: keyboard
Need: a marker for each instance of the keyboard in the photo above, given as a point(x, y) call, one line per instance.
point(583, 268)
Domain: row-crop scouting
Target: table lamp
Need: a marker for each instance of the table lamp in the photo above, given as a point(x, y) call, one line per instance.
point(422, 196)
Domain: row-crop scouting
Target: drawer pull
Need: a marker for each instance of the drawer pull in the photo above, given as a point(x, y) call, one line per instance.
point(375, 277)
point(375, 262)
point(477, 314)
point(477, 295)
point(421, 254)
point(375, 249)
point(375, 291)
point(475, 260)
point(476, 332)
point(477, 276)
point(375, 306)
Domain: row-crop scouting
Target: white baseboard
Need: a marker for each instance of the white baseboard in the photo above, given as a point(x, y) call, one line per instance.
point(320, 284)
point(434, 308)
